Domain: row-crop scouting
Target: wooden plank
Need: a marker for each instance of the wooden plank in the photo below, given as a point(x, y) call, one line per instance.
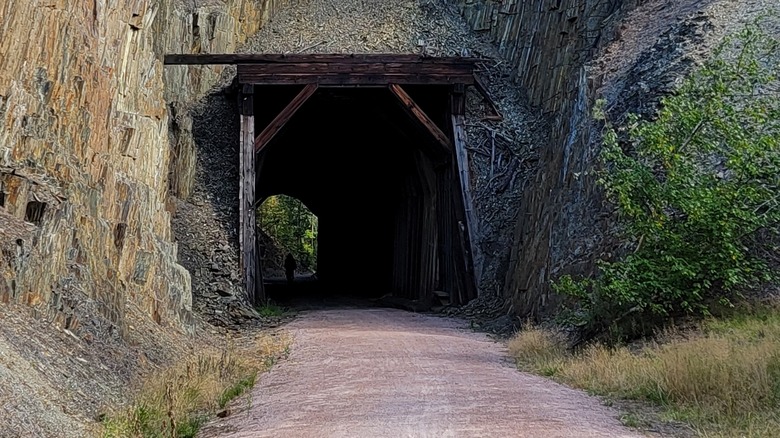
point(279, 69)
point(300, 68)
point(249, 58)
point(445, 218)
point(247, 219)
point(461, 247)
point(458, 99)
point(482, 89)
point(353, 79)
point(416, 235)
point(429, 230)
point(468, 230)
point(418, 114)
point(278, 123)
point(464, 174)
point(247, 103)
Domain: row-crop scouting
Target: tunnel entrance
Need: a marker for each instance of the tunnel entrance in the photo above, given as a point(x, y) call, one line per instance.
point(374, 145)
point(364, 168)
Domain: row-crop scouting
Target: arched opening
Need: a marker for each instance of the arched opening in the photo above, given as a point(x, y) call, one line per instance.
point(286, 226)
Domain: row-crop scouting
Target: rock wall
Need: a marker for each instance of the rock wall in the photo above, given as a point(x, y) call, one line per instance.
point(561, 225)
point(85, 153)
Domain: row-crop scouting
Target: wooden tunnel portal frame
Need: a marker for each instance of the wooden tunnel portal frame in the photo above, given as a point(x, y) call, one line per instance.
point(456, 219)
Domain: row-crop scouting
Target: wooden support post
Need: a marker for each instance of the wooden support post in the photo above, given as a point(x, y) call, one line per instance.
point(250, 265)
point(468, 231)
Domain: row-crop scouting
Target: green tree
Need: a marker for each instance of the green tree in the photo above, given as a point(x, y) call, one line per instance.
point(292, 226)
point(697, 194)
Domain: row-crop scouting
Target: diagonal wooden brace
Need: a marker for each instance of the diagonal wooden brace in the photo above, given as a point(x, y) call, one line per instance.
point(419, 115)
point(284, 116)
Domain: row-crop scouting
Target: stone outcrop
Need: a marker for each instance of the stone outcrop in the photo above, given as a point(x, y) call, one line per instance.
point(84, 147)
point(566, 54)
point(559, 224)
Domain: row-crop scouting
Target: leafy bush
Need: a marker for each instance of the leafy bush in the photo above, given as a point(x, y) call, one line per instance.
point(270, 309)
point(693, 190)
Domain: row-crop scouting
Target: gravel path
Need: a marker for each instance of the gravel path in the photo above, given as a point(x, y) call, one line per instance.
point(386, 373)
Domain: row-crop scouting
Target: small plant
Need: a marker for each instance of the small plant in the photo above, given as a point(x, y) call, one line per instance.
point(238, 388)
point(271, 309)
point(631, 420)
point(697, 196)
point(538, 350)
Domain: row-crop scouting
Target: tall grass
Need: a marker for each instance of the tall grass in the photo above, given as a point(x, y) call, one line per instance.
point(177, 401)
point(723, 380)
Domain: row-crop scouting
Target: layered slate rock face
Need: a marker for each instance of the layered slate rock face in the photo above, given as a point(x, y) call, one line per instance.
point(84, 149)
point(560, 226)
point(566, 54)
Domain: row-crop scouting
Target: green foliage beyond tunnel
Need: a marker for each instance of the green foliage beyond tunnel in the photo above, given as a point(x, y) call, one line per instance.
point(697, 193)
point(292, 227)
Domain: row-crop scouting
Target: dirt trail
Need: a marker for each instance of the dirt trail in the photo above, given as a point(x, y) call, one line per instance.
point(386, 373)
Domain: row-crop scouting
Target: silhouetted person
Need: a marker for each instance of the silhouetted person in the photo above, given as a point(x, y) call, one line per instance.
point(289, 268)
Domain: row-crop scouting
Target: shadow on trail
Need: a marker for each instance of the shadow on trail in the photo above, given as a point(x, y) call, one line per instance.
point(311, 293)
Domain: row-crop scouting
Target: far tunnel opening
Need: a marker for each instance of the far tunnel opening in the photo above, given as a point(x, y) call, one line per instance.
point(287, 236)
point(369, 173)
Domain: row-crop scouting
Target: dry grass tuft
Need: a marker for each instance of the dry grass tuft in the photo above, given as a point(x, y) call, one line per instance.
point(538, 350)
point(724, 381)
point(177, 401)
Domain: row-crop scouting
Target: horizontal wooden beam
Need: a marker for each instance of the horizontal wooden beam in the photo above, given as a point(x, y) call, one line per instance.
point(354, 79)
point(283, 117)
point(247, 58)
point(418, 114)
point(357, 73)
point(339, 69)
point(364, 68)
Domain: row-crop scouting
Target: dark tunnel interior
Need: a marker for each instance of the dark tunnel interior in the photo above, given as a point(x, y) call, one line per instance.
point(352, 156)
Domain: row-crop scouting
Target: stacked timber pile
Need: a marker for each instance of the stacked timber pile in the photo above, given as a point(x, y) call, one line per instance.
point(502, 149)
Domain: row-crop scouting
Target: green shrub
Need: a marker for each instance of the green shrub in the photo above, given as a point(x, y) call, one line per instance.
point(271, 309)
point(693, 190)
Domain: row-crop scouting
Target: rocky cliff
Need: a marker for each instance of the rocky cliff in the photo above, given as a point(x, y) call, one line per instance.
point(91, 293)
point(85, 153)
point(566, 54)
point(549, 44)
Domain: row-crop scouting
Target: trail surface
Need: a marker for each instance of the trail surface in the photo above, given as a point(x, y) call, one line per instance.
point(386, 373)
